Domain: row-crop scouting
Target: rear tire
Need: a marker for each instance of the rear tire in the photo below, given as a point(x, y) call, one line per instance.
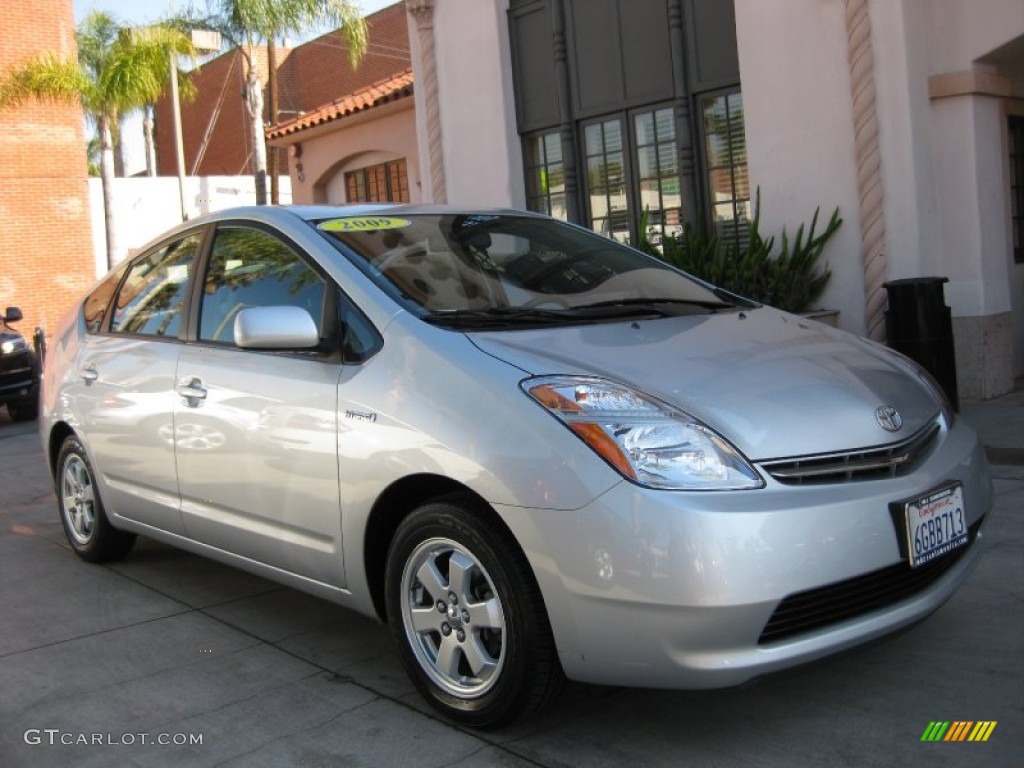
point(25, 410)
point(468, 617)
point(81, 510)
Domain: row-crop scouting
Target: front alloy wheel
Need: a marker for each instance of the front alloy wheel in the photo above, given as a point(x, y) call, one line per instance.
point(453, 620)
point(467, 615)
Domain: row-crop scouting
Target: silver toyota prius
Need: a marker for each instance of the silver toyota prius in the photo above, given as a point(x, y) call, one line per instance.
point(535, 453)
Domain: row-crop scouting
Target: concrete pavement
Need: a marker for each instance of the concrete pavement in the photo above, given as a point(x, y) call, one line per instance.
point(167, 646)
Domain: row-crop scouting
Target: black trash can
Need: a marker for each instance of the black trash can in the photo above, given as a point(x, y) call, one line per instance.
point(920, 325)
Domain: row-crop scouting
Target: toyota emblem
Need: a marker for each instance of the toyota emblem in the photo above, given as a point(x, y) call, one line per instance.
point(888, 418)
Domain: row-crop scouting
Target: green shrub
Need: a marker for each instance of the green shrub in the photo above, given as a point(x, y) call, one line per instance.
point(791, 280)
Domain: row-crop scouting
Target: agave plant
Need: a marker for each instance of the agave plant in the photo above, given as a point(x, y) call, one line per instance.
point(791, 279)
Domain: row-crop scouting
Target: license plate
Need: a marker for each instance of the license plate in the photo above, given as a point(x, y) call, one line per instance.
point(936, 524)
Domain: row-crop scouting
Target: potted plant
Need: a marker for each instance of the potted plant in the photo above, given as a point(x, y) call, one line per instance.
point(790, 279)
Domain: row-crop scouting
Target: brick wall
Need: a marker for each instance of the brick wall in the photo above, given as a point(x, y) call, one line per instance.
point(309, 76)
point(46, 258)
point(220, 82)
point(318, 72)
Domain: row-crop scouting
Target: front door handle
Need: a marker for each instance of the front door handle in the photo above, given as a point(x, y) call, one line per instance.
point(191, 391)
point(88, 374)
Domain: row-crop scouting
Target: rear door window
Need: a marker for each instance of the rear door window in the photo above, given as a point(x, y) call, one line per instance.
point(151, 299)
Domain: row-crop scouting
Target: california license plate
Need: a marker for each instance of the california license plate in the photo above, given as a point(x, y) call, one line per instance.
point(936, 524)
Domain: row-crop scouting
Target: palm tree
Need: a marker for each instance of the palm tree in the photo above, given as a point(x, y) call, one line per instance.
point(248, 24)
point(118, 69)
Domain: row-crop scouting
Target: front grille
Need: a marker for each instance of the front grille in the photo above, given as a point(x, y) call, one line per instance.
point(817, 608)
point(891, 460)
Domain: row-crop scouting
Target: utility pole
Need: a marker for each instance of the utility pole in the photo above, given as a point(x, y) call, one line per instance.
point(272, 170)
point(204, 41)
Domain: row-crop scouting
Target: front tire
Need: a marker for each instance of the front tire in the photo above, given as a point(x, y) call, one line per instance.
point(81, 510)
point(468, 617)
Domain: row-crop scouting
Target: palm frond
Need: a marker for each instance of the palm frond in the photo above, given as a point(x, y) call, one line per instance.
point(94, 36)
point(47, 77)
point(258, 21)
point(138, 68)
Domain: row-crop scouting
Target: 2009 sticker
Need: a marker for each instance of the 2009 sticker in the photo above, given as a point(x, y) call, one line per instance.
point(363, 224)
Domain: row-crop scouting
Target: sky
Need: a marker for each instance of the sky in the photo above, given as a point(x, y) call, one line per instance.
point(146, 11)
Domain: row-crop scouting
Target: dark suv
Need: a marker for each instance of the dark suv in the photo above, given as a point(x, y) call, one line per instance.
point(19, 370)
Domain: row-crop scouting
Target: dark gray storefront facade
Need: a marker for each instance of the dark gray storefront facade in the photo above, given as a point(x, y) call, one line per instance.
point(631, 111)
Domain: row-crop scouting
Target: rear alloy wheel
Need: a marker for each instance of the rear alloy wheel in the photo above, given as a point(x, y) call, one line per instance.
point(468, 617)
point(81, 510)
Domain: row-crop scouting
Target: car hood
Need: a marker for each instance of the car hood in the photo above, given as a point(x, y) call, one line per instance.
point(775, 385)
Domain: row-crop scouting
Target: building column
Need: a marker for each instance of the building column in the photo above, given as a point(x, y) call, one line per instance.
point(422, 12)
point(969, 156)
point(685, 124)
point(869, 164)
point(567, 126)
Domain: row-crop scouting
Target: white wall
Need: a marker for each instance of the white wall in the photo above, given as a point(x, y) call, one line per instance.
point(483, 156)
point(383, 133)
point(799, 128)
point(966, 30)
point(944, 179)
point(144, 207)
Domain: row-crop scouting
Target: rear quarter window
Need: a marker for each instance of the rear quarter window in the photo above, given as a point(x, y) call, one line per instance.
point(94, 308)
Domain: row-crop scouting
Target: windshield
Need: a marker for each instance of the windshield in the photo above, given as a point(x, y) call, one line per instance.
point(499, 269)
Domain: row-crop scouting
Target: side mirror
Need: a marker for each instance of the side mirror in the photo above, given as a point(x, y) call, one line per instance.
point(12, 315)
point(279, 327)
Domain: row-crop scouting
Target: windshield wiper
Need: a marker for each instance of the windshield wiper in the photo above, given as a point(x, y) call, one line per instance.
point(459, 318)
point(656, 305)
point(601, 310)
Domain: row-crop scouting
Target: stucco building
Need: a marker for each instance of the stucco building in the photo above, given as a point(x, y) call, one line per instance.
point(311, 76)
point(906, 114)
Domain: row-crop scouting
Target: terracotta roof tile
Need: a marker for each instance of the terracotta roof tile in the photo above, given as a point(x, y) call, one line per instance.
point(385, 91)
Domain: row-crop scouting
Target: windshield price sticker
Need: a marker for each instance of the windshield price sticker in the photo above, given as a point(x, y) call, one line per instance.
point(364, 224)
point(936, 524)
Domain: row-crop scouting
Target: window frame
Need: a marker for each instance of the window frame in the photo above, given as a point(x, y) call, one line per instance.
point(632, 218)
point(627, 120)
point(705, 163)
point(635, 147)
point(362, 179)
point(544, 167)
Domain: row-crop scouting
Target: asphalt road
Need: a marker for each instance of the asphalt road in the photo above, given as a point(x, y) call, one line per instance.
point(100, 663)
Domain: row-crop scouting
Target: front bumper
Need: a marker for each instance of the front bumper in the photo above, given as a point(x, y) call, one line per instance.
point(19, 377)
point(674, 589)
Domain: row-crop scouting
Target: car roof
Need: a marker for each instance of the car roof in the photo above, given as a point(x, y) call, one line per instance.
point(330, 211)
point(315, 212)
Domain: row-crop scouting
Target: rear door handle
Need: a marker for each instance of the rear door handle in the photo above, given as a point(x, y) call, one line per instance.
point(191, 390)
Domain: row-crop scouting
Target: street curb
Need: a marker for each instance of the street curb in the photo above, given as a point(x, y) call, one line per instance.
point(1004, 455)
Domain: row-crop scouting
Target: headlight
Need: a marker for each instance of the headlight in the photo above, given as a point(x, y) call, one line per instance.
point(647, 441)
point(12, 346)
